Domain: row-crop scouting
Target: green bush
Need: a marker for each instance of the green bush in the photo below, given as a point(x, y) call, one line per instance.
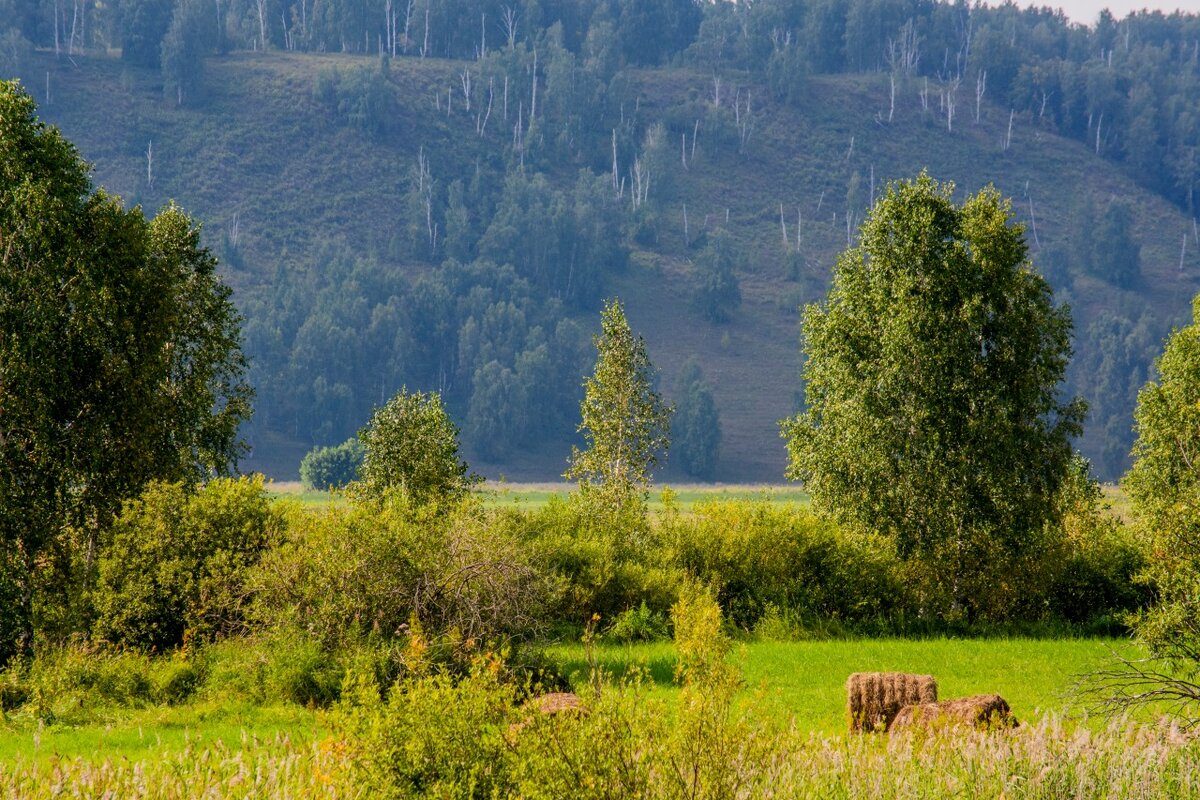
point(369, 570)
point(326, 468)
point(1097, 583)
point(603, 563)
point(71, 683)
point(759, 555)
point(178, 681)
point(411, 445)
point(435, 736)
point(176, 563)
point(641, 624)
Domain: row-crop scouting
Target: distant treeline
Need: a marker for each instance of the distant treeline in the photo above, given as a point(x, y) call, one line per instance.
point(1130, 87)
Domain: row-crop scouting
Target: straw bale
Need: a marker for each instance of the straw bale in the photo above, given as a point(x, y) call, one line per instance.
point(980, 711)
point(874, 698)
point(546, 705)
point(555, 703)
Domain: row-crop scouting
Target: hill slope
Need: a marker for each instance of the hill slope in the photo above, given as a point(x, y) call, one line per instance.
point(263, 158)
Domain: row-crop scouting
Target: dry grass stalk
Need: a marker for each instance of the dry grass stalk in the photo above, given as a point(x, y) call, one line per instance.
point(874, 698)
point(986, 711)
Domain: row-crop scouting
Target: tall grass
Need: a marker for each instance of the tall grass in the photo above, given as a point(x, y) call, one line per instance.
point(274, 769)
point(1048, 759)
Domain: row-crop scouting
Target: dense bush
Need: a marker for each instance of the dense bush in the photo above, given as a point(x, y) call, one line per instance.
point(759, 555)
point(176, 563)
point(374, 569)
point(411, 444)
point(603, 564)
point(437, 736)
point(434, 736)
point(332, 467)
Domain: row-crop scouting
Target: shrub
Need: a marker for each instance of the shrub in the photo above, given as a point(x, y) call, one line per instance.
point(68, 684)
point(369, 570)
point(434, 736)
point(641, 624)
point(332, 467)
point(176, 562)
point(603, 563)
point(757, 555)
point(411, 445)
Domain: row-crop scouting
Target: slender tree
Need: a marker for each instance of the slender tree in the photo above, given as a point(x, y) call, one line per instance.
point(624, 420)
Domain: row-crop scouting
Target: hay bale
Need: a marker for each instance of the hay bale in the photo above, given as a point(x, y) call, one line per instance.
point(875, 698)
point(985, 711)
point(555, 703)
point(546, 705)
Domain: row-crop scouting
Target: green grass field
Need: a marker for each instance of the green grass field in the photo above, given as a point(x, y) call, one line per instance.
point(805, 681)
point(785, 681)
point(687, 496)
point(536, 495)
point(145, 733)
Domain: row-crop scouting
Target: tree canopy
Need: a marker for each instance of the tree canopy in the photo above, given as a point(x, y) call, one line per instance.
point(932, 383)
point(120, 351)
point(411, 444)
point(696, 426)
point(1164, 485)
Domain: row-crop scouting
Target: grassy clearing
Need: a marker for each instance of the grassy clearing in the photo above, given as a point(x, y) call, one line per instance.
point(786, 682)
point(151, 733)
point(687, 496)
point(537, 495)
point(805, 681)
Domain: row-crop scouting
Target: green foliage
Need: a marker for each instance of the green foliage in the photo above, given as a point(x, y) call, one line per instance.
point(1115, 255)
point(374, 569)
point(175, 567)
point(717, 294)
point(189, 37)
point(332, 467)
point(144, 23)
point(696, 424)
point(624, 421)
point(604, 563)
point(15, 51)
point(434, 736)
point(411, 445)
point(932, 380)
point(640, 624)
point(120, 345)
point(1096, 574)
point(358, 97)
point(1165, 487)
point(757, 556)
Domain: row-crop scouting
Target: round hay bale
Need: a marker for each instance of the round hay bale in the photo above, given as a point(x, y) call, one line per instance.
point(982, 711)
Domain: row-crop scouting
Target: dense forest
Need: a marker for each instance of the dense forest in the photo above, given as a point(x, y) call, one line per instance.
point(464, 183)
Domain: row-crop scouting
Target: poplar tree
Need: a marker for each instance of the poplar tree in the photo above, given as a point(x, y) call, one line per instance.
point(1164, 485)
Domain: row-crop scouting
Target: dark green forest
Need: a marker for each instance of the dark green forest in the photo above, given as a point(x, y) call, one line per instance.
point(439, 194)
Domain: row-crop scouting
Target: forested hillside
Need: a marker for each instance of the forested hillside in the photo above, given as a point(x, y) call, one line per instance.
point(439, 194)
